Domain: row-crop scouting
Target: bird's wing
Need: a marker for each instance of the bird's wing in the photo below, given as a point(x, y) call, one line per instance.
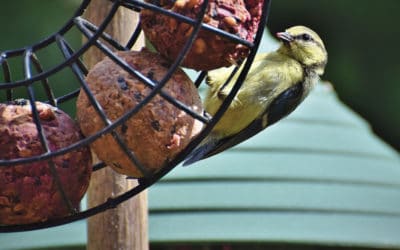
point(283, 105)
point(213, 147)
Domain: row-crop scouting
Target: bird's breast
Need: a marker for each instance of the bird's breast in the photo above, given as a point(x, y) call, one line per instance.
point(237, 118)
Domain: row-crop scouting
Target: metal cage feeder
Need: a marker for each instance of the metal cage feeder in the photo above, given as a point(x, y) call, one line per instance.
point(72, 60)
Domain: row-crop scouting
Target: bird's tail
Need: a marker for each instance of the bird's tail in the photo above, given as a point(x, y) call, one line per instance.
point(201, 152)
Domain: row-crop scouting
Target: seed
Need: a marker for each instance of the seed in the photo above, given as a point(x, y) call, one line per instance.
point(230, 21)
point(117, 165)
point(156, 125)
point(206, 18)
point(19, 208)
point(199, 46)
point(124, 128)
point(172, 23)
point(180, 4)
point(122, 83)
point(191, 4)
point(150, 74)
point(138, 96)
point(186, 29)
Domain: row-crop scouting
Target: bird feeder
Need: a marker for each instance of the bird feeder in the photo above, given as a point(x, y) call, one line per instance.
point(78, 61)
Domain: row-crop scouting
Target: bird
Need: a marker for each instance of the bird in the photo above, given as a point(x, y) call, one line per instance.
point(275, 85)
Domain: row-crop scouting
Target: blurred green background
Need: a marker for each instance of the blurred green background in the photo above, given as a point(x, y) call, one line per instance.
point(363, 42)
point(362, 39)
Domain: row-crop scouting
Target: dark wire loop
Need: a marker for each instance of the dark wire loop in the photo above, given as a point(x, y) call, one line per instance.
point(7, 74)
point(96, 37)
point(82, 24)
point(28, 58)
point(134, 4)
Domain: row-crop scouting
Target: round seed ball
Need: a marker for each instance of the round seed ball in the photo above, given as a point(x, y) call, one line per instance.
point(209, 50)
point(158, 131)
point(28, 192)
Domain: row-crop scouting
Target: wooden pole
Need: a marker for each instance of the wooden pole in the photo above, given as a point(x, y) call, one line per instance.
point(124, 227)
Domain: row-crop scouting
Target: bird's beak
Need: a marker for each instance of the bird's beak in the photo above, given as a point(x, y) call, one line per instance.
point(285, 37)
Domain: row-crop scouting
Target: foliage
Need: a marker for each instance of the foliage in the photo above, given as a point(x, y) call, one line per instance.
point(363, 44)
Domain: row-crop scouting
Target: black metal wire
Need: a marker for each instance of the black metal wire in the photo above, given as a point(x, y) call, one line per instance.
point(149, 82)
point(134, 4)
point(28, 58)
point(45, 81)
point(72, 59)
point(6, 74)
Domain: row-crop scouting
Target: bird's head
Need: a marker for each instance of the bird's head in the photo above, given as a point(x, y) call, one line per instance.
point(305, 46)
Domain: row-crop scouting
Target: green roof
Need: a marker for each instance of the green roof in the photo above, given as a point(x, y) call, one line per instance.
point(318, 177)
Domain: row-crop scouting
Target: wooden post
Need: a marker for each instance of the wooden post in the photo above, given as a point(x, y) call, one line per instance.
point(126, 226)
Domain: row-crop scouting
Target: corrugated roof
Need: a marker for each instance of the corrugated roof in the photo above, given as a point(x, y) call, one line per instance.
point(318, 177)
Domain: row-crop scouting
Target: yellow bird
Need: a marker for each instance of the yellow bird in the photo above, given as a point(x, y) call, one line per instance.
point(276, 84)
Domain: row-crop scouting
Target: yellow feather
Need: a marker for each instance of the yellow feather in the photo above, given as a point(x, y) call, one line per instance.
point(269, 74)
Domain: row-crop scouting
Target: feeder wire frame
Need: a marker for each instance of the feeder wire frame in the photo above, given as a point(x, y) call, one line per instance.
point(72, 59)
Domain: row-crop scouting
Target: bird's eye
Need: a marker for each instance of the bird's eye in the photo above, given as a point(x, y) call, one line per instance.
point(306, 37)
